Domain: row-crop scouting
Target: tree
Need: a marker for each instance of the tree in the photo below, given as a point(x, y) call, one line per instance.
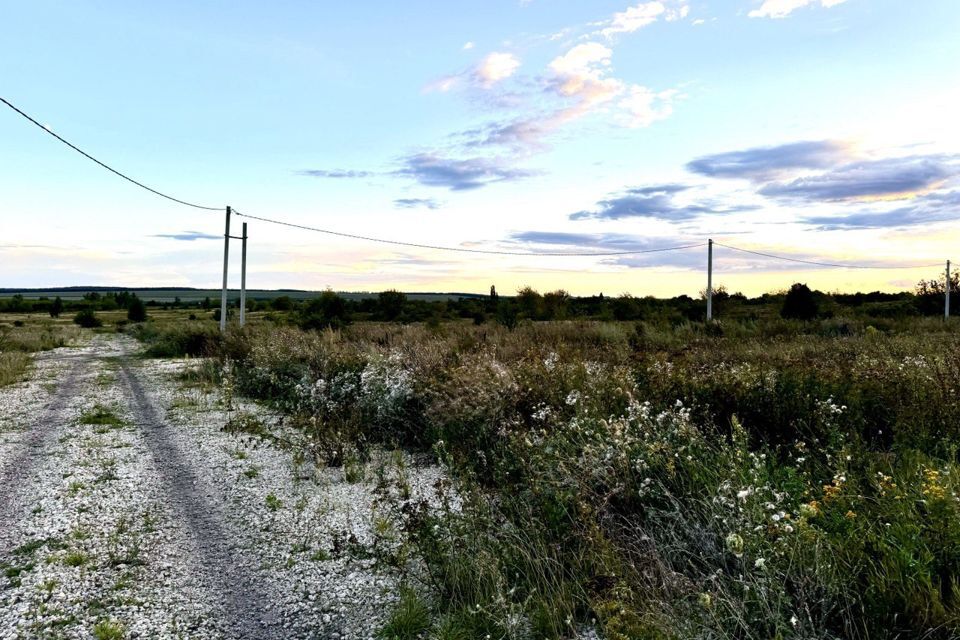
point(555, 304)
point(56, 308)
point(136, 310)
point(390, 304)
point(494, 299)
point(530, 302)
point(326, 311)
point(281, 303)
point(800, 303)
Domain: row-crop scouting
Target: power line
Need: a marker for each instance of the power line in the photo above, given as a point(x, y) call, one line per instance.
point(465, 249)
point(106, 166)
point(442, 247)
point(823, 264)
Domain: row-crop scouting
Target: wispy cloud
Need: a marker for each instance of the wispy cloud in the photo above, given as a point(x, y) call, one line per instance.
point(935, 207)
point(336, 173)
point(188, 236)
point(889, 178)
point(416, 203)
point(495, 67)
point(656, 202)
point(574, 242)
point(491, 70)
point(459, 174)
point(641, 15)
point(783, 8)
point(577, 84)
point(766, 163)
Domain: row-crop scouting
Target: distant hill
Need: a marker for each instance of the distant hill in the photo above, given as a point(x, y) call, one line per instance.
point(190, 294)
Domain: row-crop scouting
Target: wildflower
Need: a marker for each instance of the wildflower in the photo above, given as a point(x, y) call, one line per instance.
point(705, 600)
point(793, 620)
point(743, 493)
point(759, 563)
point(850, 515)
point(810, 509)
point(735, 544)
point(931, 485)
point(830, 492)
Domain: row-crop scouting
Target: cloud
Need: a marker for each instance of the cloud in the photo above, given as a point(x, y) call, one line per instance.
point(783, 8)
point(764, 163)
point(581, 80)
point(643, 106)
point(415, 203)
point(459, 175)
point(646, 13)
point(889, 178)
point(601, 242)
point(931, 208)
point(467, 46)
point(491, 70)
point(654, 202)
point(188, 236)
point(336, 173)
point(495, 67)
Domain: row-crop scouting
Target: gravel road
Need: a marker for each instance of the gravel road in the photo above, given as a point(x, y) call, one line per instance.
point(126, 512)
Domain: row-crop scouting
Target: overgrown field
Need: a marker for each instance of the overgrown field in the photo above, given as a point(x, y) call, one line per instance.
point(21, 335)
point(784, 480)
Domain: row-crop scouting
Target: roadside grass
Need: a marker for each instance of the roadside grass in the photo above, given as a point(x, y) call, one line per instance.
point(14, 366)
point(109, 630)
point(409, 619)
point(752, 479)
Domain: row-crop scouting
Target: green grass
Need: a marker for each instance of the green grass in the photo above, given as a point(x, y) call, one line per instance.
point(109, 630)
point(14, 366)
point(409, 619)
point(102, 416)
point(76, 559)
point(752, 479)
point(272, 502)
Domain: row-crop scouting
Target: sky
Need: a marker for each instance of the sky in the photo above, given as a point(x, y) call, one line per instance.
point(819, 130)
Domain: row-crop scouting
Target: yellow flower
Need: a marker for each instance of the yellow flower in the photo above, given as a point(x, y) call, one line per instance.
point(931, 485)
point(850, 515)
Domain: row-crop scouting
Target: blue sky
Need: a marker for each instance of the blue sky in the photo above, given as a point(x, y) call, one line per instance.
point(818, 129)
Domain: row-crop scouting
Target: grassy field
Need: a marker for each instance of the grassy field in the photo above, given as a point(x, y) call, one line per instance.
point(756, 480)
point(23, 334)
point(772, 479)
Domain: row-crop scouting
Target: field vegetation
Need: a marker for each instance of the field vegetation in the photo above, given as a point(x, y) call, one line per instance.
point(23, 334)
point(773, 474)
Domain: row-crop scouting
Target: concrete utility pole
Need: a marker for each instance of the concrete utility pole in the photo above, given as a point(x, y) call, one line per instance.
point(709, 280)
point(226, 260)
point(946, 301)
point(243, 278)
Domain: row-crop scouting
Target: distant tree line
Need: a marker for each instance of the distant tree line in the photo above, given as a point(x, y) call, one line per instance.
point(328, 309)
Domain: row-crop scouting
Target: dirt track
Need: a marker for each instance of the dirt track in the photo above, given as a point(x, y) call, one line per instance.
point(159, 525)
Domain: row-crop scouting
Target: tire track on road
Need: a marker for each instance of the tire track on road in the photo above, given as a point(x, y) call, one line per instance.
point(226, 568)
point(19, 468)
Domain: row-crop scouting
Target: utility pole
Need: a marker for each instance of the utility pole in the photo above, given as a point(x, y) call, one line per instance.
point(243, 278)
point(226, 258)
point(946, 301)
point(709, 280)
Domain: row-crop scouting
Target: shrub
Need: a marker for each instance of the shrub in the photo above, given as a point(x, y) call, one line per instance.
point(799, 303)
point(136, 311)
point(87, 318)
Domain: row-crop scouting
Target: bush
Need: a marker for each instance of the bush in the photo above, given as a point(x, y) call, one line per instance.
point(87, 318)
point(799, 303)
point(136, 311)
